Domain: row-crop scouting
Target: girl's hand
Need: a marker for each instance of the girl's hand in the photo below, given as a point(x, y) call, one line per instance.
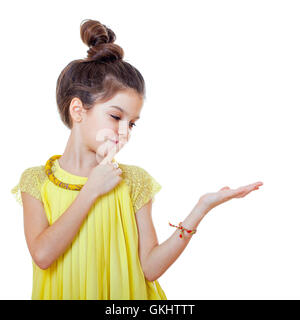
point(104, 177)
point(210, 200)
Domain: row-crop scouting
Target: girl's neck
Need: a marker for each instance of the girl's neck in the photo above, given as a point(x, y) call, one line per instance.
point(77, 158)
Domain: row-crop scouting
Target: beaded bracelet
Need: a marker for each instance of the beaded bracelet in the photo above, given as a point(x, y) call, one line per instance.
point(180, 227)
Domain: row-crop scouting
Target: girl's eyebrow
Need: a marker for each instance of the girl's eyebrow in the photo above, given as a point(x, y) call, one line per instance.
point(122, 110)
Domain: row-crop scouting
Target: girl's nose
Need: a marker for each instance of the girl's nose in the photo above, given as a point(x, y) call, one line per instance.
point(123, 128)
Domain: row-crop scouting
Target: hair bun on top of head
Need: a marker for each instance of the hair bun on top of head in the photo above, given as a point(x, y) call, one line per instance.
point(99, 39)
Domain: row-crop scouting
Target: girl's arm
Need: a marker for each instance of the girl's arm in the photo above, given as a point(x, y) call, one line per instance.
point(157, 258)
point(46, 243)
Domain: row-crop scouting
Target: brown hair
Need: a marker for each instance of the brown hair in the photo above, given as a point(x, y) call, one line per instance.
point(99, 76)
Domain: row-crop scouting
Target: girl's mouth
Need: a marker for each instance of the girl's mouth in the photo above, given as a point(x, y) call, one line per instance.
point(114, 141)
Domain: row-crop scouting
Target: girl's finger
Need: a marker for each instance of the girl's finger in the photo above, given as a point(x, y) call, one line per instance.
point(240, 192)
point(250, 186)
point(243, 191)
point(233, 193)
point(224, 188)
point(256, 184)
point(112, 152)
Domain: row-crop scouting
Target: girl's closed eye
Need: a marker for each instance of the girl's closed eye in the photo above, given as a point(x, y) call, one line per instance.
point(118, 118)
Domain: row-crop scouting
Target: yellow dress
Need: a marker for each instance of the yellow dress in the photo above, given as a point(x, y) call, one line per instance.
point(102, 262)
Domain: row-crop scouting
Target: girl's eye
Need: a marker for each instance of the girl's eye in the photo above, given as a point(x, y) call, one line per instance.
point(118, 118)
point(115, 117)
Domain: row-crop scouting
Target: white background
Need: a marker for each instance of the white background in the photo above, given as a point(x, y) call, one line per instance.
point(222, 81)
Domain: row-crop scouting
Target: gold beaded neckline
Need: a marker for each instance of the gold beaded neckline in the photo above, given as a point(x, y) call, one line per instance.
point(59, 183)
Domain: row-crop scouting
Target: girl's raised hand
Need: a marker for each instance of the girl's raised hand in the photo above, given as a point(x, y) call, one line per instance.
point(103, 177)
point(213, 199)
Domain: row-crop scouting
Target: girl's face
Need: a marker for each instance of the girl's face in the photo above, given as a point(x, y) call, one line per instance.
point(103, 126)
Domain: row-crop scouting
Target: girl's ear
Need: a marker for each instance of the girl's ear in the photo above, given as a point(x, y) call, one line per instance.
point(76, 109)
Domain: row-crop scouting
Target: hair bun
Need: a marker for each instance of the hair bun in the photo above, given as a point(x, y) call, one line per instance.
point(99, 39)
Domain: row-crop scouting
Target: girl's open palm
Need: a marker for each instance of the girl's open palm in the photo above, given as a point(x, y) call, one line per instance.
point(213, 199)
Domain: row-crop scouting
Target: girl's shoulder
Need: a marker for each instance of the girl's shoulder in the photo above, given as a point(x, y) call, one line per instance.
point(30, 181)
point(143, 186)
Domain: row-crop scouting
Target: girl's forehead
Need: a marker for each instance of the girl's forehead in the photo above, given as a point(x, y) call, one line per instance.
point(125, 99)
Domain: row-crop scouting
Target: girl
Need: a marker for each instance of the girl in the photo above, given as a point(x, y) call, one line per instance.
point(87, 218)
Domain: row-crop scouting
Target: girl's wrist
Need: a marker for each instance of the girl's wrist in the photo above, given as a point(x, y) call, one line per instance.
point(192, 221)
point(88, 193)
point(201, 209)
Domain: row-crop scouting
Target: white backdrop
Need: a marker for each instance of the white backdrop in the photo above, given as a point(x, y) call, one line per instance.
point(222, 81)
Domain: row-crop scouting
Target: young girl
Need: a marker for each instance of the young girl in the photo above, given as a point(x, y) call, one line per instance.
point(87, 218)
